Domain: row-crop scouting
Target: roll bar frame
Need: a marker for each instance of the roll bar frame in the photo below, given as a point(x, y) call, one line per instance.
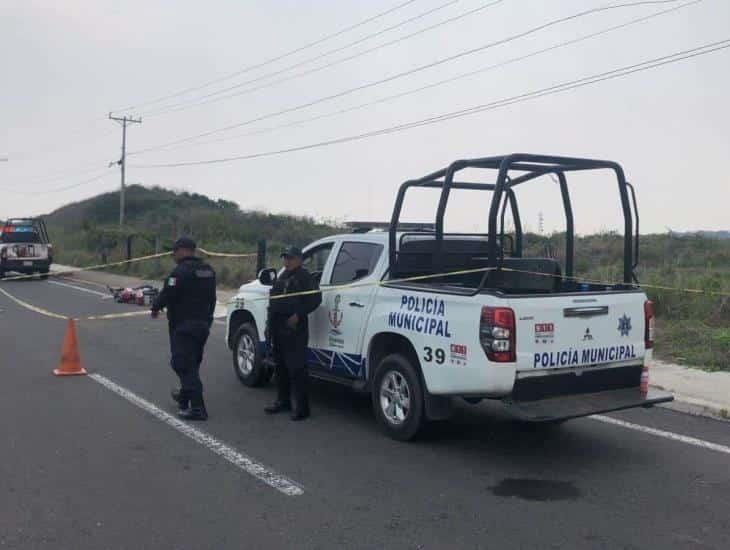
point(513, 170)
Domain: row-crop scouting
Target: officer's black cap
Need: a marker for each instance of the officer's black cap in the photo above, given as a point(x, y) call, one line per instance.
point(291, 252)
point(184, 242)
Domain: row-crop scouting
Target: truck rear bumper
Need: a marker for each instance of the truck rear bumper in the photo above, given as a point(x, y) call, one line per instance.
point(29, 265)
point(576, 405)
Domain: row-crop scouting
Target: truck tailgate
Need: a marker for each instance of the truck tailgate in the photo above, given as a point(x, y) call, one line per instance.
point(569, 331)
point(27, 251)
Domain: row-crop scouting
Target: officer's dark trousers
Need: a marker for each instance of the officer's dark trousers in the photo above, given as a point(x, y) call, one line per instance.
point(291, 368)
point(187, 341)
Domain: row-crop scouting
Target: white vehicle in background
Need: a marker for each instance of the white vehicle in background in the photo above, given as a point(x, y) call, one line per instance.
point(435, 316)
point(25, 247)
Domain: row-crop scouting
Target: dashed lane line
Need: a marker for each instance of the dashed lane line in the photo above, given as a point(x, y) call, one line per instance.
point(240, 460)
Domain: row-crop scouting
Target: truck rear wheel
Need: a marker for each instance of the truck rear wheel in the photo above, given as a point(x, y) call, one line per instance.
point(398, 398)
point(247, 363)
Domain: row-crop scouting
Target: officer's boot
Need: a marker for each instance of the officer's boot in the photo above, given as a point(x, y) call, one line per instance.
point(196, 411)
point(278, 406)
point(183, 402)
point(283, 400)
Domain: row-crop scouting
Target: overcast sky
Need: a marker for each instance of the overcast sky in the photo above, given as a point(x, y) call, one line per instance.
point(66, 64)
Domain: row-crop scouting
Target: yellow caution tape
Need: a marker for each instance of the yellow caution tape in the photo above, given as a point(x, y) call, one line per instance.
point(226, 254)
point(72, 270)
point(333, 288)
point(483, 270)
point(89, 267)
point(415, 278)
point(609, 283)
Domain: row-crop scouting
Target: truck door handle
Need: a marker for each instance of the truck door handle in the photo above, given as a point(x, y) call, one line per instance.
point(356, 304)
point(590, 311)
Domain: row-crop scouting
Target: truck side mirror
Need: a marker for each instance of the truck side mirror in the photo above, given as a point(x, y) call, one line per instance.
point(267, 277)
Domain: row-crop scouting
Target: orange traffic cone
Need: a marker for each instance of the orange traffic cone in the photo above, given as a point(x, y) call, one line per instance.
point(70, 360)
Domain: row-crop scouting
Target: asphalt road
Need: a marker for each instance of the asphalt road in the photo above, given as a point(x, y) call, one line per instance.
point(82, 467)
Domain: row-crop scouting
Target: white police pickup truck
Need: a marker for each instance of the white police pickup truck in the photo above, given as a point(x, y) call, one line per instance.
point(417, 317)
point(25, 247)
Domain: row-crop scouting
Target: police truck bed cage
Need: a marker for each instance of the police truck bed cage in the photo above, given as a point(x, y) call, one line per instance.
point(440, 253)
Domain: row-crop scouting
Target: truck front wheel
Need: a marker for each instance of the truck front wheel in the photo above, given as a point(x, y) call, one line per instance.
point(398, 397)
point(247, 362)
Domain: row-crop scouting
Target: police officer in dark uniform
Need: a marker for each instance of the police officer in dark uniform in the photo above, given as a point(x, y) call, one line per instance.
point(288, 328)
point(189, 296)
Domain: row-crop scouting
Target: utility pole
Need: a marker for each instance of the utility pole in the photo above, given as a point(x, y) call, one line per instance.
point(123, 160)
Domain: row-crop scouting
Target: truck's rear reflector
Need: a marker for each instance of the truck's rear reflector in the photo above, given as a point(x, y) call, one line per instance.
point(497, 334)
point(648, 324)
point(644, 384)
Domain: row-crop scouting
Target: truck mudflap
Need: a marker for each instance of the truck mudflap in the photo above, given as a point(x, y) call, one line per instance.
point(585, 404)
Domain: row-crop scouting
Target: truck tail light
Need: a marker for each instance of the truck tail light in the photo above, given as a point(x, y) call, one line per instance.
point(497, 334)
point(648, 324)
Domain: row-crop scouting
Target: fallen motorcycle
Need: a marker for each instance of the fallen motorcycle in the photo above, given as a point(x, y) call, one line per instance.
point(141, 295)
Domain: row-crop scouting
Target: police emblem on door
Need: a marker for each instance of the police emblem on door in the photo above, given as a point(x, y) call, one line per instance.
point(335, 315)
point(624, 325)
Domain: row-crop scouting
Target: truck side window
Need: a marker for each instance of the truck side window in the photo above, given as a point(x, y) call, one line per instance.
point(315, 260)
point(355, 261)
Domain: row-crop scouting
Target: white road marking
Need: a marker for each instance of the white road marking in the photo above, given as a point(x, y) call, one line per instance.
point(245, 463)
point(662, 433)
point(85, 282)
point(82, 289)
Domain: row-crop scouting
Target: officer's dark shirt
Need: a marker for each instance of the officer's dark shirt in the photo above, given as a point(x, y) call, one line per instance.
point(189, 292)
point(291, 282)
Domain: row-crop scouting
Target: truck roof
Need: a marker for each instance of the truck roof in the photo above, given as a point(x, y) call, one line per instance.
point(380, 237)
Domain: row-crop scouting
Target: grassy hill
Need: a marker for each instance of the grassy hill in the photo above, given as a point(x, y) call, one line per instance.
point(693, 328)
point(87, 232)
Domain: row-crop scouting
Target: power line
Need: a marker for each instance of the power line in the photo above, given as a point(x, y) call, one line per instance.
point(64, 188)
point(61, 176)
point(58, 147)
point(452, 79)
point(215, 97)
point(270, 60)
point(407, 73)
point(558, 88)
